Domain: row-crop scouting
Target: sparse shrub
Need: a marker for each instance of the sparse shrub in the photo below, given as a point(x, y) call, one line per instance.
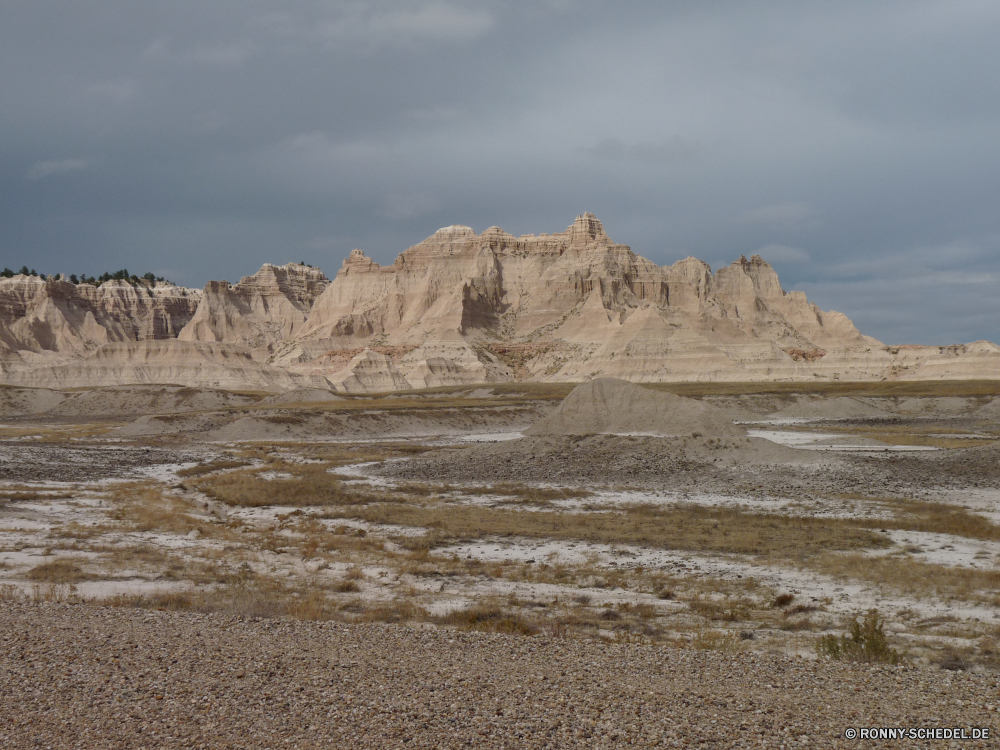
point(58, 571)
point(954, 663)
point(799, 609)
point(782, 600)
point(394, 611)
point(313, 606)
point(867, 642)
point(729, 610)
point(713, 640)
point(490, 619)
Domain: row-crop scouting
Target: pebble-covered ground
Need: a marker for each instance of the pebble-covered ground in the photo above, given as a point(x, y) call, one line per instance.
point(749, 466)
point(78, 676)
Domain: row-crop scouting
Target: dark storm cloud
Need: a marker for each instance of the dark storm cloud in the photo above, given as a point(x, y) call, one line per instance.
point(852, 144)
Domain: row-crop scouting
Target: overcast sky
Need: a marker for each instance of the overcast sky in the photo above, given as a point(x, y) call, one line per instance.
point(854, 145)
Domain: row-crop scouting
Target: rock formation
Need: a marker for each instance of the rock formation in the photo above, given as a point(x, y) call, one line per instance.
point(39, 315)
point(258, 311)
point(188, 363)
point(457, 308)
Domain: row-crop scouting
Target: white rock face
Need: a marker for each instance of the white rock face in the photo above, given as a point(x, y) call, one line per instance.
point(194, 364)
point(57, 316)
point(458, 308)
point(369, 372)
point(259, 311)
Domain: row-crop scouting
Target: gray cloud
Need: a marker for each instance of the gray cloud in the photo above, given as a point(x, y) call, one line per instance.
point(674, 148)
point(42, 169)
point(779, 214)
point(783, 254)
point(409, 206)
point(854, 143)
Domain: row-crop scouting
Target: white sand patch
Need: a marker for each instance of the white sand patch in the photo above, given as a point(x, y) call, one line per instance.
point(829, 441)
point(270, 476)
point(846, 598)
point(490, 437)
point(101, 589)
point(359, 473)
point(782, 422)
point(947, 549)
point(166, 472)
point(819, 508)
point(984, 502)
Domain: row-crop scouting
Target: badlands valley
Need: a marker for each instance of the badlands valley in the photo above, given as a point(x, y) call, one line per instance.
point(507, 492)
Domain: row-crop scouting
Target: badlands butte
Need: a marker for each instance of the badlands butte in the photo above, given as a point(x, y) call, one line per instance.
point(457, 308)
point(507, 492)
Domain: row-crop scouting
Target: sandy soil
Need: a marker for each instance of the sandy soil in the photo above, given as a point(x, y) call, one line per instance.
point(82, 677)
point(353, 524)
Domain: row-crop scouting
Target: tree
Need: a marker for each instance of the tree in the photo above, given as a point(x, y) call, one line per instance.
point(7, 273)
point(73, 279)
point(24, 271)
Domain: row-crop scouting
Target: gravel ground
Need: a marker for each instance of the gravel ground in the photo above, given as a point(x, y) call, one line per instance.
point(755, 466)
point(91, 677)
point(59, 462)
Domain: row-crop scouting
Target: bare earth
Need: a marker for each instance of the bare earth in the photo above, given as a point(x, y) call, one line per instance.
point(82, 677)
point(499, 567)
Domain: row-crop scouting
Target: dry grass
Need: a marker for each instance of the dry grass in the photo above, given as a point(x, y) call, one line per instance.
point(63, 570)
point(308, 485)
point(212, 466)
point(900, 389)
point(919, 515)
point(517, 492)
point(57, 433)
point(21, 494)
point(144, 507)
point(488, 618)
point(942, 519)
point(933, 435)
point(693, 528)
point(912, 578)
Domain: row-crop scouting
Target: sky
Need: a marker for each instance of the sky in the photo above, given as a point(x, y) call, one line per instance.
point(854, 145)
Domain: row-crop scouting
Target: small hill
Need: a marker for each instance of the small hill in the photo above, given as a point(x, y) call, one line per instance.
point(612, 406)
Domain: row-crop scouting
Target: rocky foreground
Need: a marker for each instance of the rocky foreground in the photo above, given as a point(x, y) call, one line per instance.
point(91, 677)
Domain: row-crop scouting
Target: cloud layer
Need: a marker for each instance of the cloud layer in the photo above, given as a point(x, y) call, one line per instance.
point(854, 145)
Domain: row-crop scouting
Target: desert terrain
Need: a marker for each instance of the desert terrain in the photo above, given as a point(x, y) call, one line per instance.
point(511, 564)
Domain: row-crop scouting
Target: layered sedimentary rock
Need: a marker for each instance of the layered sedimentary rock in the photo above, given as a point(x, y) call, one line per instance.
point(39, 315)
point(188, 363)
point(572, 306)
point(458, 308)
point(258, 311)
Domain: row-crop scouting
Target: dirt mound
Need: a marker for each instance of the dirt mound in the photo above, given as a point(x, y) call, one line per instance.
point(130, 400)
point(990, 410)
point(838, 407)
point(303, 396)
point(618, 407)
point(704, 464)
point(172, 424)
point(16, 402)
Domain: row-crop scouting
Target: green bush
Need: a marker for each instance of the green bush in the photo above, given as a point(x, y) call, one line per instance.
point(866, 643)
